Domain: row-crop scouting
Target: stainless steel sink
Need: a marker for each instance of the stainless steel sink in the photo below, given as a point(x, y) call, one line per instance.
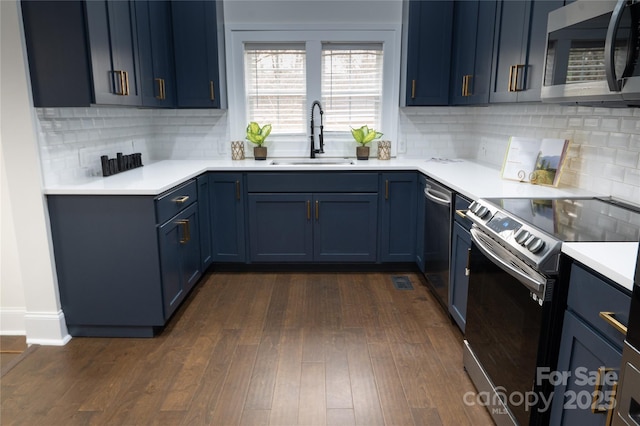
point(312, 162)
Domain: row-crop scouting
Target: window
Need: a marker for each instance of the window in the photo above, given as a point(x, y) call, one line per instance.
point(351, 85)
point(275, 84)
point(273, 76)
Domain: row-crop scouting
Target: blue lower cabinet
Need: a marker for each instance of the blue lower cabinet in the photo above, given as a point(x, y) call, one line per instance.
point(307, 227)
point(227, 219)
point(180, 257)
point(204, 213)
point(280, 227)
point(582, 353)
point(345, 227)
point(398, 204)
point(459, 280)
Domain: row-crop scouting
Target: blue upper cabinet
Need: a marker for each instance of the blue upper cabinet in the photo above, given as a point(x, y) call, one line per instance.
point(155, 43)
point(196, 53)
point(82, 53)
point(114, 52)
point(428, 52)
point(473, 24)
point(518, 53)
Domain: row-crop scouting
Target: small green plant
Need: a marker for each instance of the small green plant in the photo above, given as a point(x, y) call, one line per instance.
point(364, 135)
point(257, 134)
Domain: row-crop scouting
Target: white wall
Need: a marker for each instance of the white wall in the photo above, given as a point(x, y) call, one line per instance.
point(28, 275)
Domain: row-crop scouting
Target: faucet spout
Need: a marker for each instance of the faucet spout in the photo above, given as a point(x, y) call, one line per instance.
point(315, 151)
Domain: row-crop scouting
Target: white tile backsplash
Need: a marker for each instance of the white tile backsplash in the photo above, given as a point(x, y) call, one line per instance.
point(604, 154)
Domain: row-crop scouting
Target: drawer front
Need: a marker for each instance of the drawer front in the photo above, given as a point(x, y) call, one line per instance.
point(172, 202)
point(312, 182)
point(589, 295)
point(461, 207)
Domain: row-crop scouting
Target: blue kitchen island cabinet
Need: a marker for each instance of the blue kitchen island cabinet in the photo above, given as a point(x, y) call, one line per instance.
point(82, 53)
point(590, 350)
point(227, 218)
point(428, 52)
point(321, 217)
point(196, 53)
point(473, 29)
point(124, 262)
point(155, 41)
point(398, 206)
point(519, 46)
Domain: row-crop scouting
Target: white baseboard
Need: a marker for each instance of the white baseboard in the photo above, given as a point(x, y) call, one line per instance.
point(12, 322)
point(46, 328)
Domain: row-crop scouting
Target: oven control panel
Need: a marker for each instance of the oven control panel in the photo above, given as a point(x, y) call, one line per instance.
point(532, 245)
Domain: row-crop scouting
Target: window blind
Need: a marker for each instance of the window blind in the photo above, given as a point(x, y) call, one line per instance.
point(275, 84)
point(351, 85)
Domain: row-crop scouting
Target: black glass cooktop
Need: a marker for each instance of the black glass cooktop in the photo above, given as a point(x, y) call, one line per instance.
point(574, 220)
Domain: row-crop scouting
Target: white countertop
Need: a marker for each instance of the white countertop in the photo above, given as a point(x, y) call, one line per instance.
point(614, 260)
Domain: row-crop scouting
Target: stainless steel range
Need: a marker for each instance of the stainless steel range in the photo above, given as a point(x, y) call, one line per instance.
point(517, 294)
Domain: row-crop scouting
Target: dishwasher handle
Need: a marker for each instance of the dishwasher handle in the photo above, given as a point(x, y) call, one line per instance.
point(437, 196)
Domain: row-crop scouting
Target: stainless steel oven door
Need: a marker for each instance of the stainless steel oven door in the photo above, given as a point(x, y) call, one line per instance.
point(507, 311)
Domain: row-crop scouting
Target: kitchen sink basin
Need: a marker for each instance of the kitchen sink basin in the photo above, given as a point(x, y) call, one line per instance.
point(312, 162)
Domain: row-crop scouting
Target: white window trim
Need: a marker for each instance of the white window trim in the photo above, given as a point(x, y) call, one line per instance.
point(390, 37)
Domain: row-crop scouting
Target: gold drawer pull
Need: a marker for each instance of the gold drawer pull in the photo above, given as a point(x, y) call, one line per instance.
point(308, 210)
point(181, 200)
point(317, 210)
point(462, 213)
point(413, 89)
point(186, 231)
point(609, 317)
point(212, 93)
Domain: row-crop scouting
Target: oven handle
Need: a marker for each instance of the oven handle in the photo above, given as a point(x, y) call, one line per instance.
point(533, 284)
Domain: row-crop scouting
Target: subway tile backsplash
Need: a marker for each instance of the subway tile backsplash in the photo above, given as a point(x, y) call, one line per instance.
point(604, 154)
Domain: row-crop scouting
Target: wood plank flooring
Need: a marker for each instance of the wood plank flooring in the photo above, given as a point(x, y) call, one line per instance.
point(261, 349)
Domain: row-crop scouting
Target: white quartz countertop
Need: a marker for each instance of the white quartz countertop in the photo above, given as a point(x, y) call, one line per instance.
point(616, 261)
point(466, 177)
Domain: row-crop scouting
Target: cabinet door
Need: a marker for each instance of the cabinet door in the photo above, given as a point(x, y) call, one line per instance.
point(196, 53)
point(398, 226)
point(429, 52)
point(582, 352)
point(204, 219)
point(227, 217)
point(460, 246)
point(280, 227)
point(179, 257)
point(465, 27)
point(345, 227)
point(155, 41)
point(114, 56)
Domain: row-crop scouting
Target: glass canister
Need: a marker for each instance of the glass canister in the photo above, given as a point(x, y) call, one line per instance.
point(384, 150)
point(237, 150)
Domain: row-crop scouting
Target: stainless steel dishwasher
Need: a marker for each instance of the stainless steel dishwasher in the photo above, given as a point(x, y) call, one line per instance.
point(437, 240)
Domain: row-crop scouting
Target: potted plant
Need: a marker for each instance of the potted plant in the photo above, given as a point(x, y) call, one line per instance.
point(257, 136)
point(363, 136)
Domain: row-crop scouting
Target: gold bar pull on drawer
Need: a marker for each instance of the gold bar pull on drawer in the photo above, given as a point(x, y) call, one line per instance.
point(212, 93)
point(462, 213)
point(181, 200)
point(159, 81)
point(413, 89)
point(609, 317)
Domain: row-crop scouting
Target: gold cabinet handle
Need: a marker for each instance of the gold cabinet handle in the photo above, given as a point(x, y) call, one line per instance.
point(386, 189)
point(181, 200)
point(126, 81)
point(121, 91)
point(308, 210)
point(186, 231)
point(413, 89)
point(514, 78)
point(511, 89)
point(609, 317)
point(237, 190)
point(212, 94)
point(467, 82)
point(317, 210)
point(462, 213)
point(464, 85)
point(164, 91)
point(597, 391)
point(159, 81)
point(467, 269)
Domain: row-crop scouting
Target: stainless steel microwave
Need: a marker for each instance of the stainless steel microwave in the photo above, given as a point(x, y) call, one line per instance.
point(592, 53)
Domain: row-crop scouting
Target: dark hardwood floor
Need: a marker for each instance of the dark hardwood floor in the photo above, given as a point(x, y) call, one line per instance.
point(261, 349)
